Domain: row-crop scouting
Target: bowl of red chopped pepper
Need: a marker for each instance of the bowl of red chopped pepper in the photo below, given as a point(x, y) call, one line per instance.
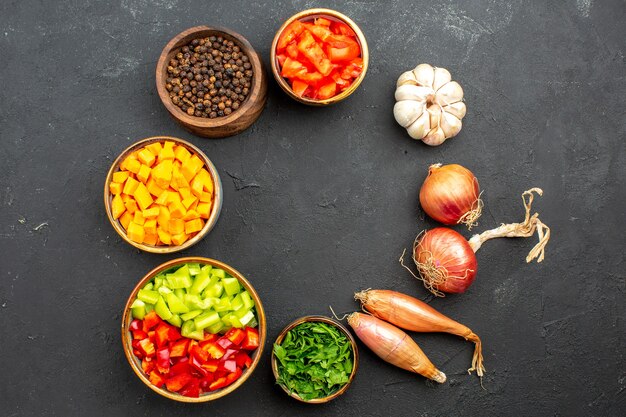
point(319, 57)
point(193, 329)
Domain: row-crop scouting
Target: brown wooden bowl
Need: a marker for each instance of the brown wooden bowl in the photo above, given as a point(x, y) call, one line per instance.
point(308, 14)
point(342, 328)
point(215, 209)
point(220, 127)
point(135, 363)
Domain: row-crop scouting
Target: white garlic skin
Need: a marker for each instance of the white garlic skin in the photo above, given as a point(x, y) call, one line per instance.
point(429, 105)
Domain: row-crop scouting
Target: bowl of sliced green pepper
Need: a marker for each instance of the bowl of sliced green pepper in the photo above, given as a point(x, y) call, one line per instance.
point(314, 359)
point(193, 329)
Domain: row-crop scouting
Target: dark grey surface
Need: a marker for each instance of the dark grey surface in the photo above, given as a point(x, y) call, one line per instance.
point(319, 203)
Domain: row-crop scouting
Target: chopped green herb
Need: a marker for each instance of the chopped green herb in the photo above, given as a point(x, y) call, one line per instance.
point(314, 360)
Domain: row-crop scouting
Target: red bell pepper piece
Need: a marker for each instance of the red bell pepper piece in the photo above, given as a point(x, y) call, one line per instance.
point(178, 381)
point(181, 368)
point(209, 338)
point(225, 343)
point(340, 28)
point(173, 334)
point(320, 21)
point(199, 353)
point(229, 365)
point(218, 383)
point(235, 335)
point(327, 90)
point(135, 325)
point(196, 365)
point(161, 334)
point(157, 379)
point(230, 354)
point(215, 351)
point(138, 353)
point(179, 348)
point(147, 365)
point(251, 341)
point(163, 360)
point(150, 321)
point(233, 376)
point(314, 53)
point(192, 389)
point(243, 359)
point(139, 334)
point(206, 381)
point(211, 365)
point(146, 347)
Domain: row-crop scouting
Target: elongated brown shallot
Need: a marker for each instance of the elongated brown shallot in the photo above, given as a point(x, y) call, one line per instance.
point(414, 315)
point(393, 345)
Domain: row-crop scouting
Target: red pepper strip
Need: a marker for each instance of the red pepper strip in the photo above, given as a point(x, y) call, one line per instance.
point(178, 381)
point(162, 334)
point(199, 353)
point(163, 360)
point(179, 348)
point(192, 389)
point(157, 379)
point(290, 33)
point(135, 325)
point(181, 368)
point(235, 335)
point(243, 359)
point(211, 365)
point(146, 347)
point(150, 321)
point(251, 341)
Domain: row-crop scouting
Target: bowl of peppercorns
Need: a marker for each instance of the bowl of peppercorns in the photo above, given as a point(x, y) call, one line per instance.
point(211, 81)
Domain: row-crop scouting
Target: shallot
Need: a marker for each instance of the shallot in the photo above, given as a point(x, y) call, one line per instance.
point(393, 345)
point(411, 314)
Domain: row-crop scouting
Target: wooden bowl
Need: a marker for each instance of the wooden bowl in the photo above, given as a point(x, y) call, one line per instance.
point(135, 363)
point(215, 209)
point(342, 328)
point(240, 119)
point(308, 14)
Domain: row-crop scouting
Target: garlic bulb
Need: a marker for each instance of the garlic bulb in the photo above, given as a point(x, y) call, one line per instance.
point(428, 104)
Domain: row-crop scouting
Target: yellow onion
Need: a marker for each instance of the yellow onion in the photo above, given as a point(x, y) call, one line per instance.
point(451, 195)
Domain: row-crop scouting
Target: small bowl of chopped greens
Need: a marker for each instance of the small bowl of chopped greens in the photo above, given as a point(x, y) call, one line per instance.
point(314, 359)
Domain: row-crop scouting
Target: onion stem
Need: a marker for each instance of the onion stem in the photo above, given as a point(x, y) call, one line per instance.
point(525, 229)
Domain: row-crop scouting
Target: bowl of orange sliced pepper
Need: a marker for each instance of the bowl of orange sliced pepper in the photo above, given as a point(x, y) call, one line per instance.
point(162, 194)
point(319, 57)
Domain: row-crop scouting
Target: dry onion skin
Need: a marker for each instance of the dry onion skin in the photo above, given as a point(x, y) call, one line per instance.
point(450, 194)
point(411, 314)
point(393, 346)
point(429, 105)
point(446, 262)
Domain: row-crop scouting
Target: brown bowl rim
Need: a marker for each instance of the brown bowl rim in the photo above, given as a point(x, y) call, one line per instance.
point(327, 320)
point(284, 85)
point(127, 318)
point(177, 42)
point(215, 209)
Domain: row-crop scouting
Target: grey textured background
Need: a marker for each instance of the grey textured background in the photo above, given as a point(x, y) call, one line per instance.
point(320, 202)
